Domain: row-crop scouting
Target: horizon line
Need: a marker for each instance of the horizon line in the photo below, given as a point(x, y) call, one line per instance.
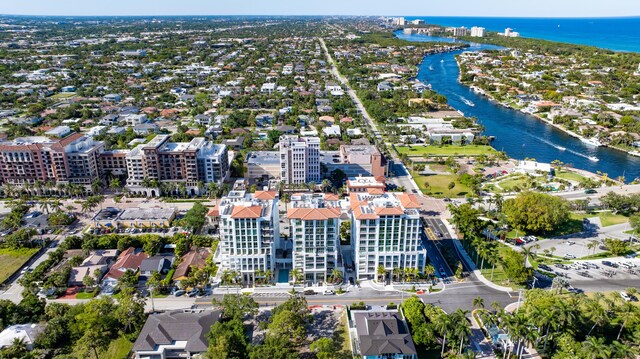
point(335, 15)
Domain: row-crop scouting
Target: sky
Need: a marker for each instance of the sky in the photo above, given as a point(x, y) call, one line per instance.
point(497, 8)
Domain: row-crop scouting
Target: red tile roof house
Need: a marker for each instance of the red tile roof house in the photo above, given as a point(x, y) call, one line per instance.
point(131, 259)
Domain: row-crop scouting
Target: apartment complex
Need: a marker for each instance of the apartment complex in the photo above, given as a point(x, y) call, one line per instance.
point(249, 232)
point(385, 232)
point(299, 159)
point(361, 160)
point(162, 161)
point(74, 159)
point(314, 221)
point(477, 31)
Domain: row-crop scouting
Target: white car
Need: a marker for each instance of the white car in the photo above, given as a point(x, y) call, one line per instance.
point(625, 296)
point(328, 292)
point(569, 256)
point(571, 243)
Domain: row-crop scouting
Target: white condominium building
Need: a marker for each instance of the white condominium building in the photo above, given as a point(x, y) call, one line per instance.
point(385, 231)
point(314, 220)
point(299, 159)
point(249, 230)
point(477, 31)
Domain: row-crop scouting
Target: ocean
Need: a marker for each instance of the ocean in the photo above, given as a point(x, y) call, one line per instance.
point(618, 34)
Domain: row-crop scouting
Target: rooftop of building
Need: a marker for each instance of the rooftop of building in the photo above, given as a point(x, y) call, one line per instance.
point(241, 204)
point(359, 150)
point(372, 206)
point(263, 158)
point(382, 333)
point(147, 213)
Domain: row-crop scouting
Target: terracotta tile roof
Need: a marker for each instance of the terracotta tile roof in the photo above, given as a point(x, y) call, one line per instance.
point(196, 257)
point(246, 212)
point(129, 259)
point(375, 191)
point(408, 200)
point(265, 195)
point(389, 211)
point(331, 197)
point(214, 212)
point(313, 213)
point(359, 214)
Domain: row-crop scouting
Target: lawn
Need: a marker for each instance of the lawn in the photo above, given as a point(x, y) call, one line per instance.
point(86, 295)
point(344, 333)
point(606, 218)
point(63, 95)
point(446, 150)
point(118, 349)
point(571, 176)
point(508, 184)
point(13, 259)
point(439, 185)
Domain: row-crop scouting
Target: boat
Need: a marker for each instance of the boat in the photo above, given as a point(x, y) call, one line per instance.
point(467, 102)
point(441, 60)
point(561, 148)
point(430, 67)
point(593, 158)
point(635, 153)
point(591, 141)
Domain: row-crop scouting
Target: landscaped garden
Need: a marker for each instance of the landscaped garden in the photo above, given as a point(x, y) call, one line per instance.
point(446, 150)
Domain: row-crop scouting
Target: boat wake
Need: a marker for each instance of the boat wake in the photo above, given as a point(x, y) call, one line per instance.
point(467, 101)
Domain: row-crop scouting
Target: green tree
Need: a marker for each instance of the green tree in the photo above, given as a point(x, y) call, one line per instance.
point(324, 348)
point(536, 212)
point(237, 306)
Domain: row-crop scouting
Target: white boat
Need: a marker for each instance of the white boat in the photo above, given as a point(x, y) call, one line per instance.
point(635, 153)
point(467, 102)
point(441, 60)
point(593, 158)
point(591, 141)
point(561, 148)
point(430, 67)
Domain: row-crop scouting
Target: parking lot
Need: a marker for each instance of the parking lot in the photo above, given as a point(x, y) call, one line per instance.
point(626, 269)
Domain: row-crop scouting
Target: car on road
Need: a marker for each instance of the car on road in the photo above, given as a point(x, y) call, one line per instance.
point(575, 290)
point(193, 292)
point(179, 293)
point(590, 191)
point(569, 255)
point(328, 292)
point(26, 270)
point(571, 243)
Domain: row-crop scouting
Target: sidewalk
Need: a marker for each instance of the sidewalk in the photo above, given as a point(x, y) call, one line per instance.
point(470, 264)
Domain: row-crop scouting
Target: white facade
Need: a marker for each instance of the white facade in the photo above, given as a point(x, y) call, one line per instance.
point(315, 224)
point(477, 31)
point(299, 159)
point(249, 231)
point(385, 232)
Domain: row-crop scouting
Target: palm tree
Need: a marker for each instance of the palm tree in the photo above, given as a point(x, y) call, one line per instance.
point(443, 325)
point(529, 252)
point(461, 326)
point(336, 275)
point(429, 270)
point(597, 314)
point(325, 185)
point(44, 205)
point(593, 244)
point(380, 271)
point(620, 350)
point(96, 186)
point(397, 272)
point(626, 312)
point(55, 205)
point(213, 189)
point(114, 184)
point(296, 275)
point(595, 348)
point(478, 302)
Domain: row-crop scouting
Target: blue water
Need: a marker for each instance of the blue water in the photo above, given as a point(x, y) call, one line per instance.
point(620, 34)
point(518, 134)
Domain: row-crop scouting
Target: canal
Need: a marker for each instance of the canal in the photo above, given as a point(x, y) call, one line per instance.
point(518, 134)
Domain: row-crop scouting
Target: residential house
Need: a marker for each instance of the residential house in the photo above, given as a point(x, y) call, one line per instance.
point(129, 259)
point(195, 258)
point(175, 334)
point(381, 335)
point(159, 263)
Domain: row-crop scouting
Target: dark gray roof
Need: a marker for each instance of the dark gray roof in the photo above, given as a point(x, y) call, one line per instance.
point(382, 333)
point(152, 263)
point(179, 325)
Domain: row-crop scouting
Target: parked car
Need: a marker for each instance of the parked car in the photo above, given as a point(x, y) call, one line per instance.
point(568, 255)
point(625, 296)
point(590, 191)
point(544, 267)
point(328, 292)
point(571, 243)
point(193, 292)
point(309, 292)
point(179, 293)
